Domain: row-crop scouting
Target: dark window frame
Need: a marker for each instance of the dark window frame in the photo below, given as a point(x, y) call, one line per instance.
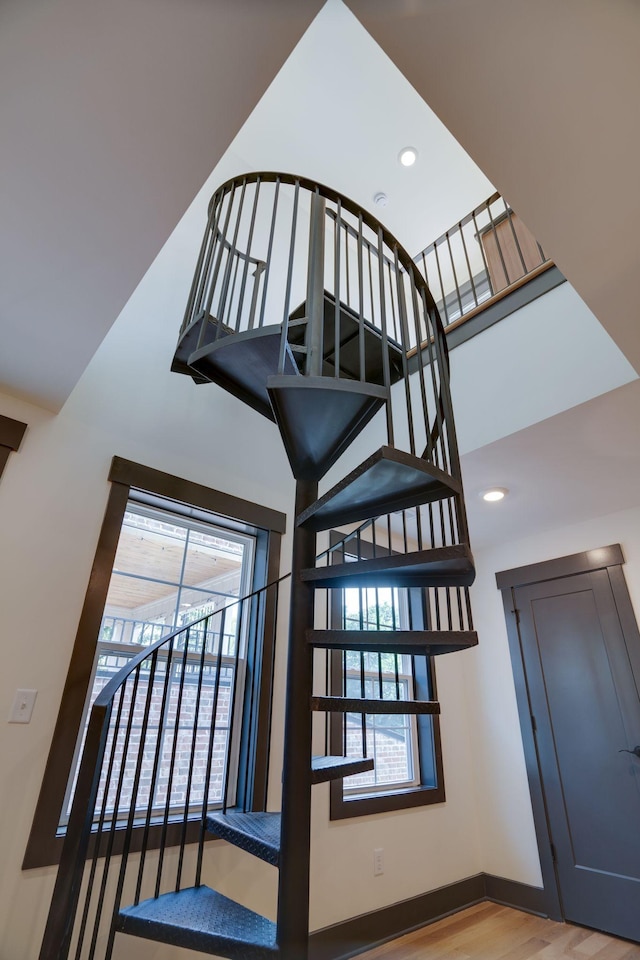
point(45, 843)
point(429, 757)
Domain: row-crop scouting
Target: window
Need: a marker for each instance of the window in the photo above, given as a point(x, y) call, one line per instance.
point(169, 571)
point(130, 601)
point(391, 739)
point(406, 749)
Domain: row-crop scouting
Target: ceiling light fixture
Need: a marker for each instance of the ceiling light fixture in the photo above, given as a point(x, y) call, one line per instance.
point(408, 156)
point(494, 494)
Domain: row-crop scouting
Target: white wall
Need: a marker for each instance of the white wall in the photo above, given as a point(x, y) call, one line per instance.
point(506, 836)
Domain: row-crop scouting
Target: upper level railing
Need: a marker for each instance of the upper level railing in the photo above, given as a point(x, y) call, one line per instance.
point(484, 256)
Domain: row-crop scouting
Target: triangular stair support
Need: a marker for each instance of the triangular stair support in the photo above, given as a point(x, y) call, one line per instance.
point(428, 643)
point(388, 481)
point(436, 567)
point(242, 363)
point(319, 417)
point(198, 918)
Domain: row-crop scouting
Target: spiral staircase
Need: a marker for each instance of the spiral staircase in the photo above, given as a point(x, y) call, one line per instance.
point(305, 308)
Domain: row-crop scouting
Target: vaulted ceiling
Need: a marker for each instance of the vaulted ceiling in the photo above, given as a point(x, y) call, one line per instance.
point(113, 115)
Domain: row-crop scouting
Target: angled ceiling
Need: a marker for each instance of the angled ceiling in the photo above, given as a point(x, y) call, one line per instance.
point(112, 117)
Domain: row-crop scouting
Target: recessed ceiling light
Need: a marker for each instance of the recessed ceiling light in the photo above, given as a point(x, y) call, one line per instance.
point(408, 156)
point(494, 494)
point(381, 200)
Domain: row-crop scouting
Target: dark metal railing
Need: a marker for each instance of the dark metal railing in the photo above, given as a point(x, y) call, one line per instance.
point(482, 256)
point(348, 300)
point(162, 747)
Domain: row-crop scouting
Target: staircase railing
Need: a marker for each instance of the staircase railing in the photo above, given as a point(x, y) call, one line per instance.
point(484, 255)
point(161, 749)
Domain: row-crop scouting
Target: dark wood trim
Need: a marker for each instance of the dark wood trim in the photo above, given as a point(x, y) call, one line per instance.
point(542, 280)
point(368, 930)
point(140, 477)
point(5, 453)
point(588, 560)
point(44, 846)
point(11, 432)
point(510, 893)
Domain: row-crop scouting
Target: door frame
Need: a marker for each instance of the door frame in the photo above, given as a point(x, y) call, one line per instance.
point(609, 559)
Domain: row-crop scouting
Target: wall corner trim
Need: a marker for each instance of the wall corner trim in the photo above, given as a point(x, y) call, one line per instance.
point(346, 939)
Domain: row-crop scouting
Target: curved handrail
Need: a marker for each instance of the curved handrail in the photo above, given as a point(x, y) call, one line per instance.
point(109, 691)
point(66, 894)
point(346, 203)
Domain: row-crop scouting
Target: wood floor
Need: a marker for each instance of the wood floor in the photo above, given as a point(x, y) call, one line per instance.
point(491, 932)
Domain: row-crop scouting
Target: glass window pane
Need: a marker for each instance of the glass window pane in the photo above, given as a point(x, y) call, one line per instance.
point(213, 562)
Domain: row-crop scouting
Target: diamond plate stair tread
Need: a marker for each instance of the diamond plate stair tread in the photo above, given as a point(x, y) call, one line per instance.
point(199, 918)
point(430, 643)
point(437, 567)
point(257, 833)
point(380, 707)
point(388, 481)
point(335, 768)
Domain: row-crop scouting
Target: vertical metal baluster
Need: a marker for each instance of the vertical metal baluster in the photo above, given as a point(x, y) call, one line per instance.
point(314, 339)
point(109, 851)
point(467, 598)
point(466, 256)
point(363, 716)
point(210, 747)
point(455, 274)
point(233, 251)
point(233, 292)
point(344, 693)
point(444, 296)
point(432, 332)
point(206, 269)
point(208, 243)
point(397, 676)
point(248, 253)
point(361, 356)
point(232, 708)
point(213, 283)
point(126, 846)
point(255, 681)
point(287, 296)
point(402, 313)
point(337, 313)
point(194, 738)
point(481, 245)
point(525, 269)
point(386, 369)
point(396, 335)
point(269, 250)
point(167, 806)
point(155, 771)
point(419, 355)
point(507, 279)
point(99, 831)
point(346, 260)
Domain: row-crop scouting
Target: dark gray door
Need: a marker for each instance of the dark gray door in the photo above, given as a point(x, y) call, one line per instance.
point(584, 698)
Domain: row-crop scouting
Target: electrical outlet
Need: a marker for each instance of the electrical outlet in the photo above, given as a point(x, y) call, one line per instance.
point(378, 862)
point(22, 707)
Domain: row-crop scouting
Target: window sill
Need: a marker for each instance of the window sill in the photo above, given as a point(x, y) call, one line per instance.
point(342, 808)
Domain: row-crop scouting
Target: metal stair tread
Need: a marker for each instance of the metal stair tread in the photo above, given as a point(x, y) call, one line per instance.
point(335, 768)
point(199, 918)
point(430, 643)
point(378, 707)
point(437, 567)
point(258, 833)
point(387, 481)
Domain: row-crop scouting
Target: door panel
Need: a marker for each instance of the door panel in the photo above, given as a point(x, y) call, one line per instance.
point(585, 701)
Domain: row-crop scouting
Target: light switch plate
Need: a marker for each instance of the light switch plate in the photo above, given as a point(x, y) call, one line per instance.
point(22, 707)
